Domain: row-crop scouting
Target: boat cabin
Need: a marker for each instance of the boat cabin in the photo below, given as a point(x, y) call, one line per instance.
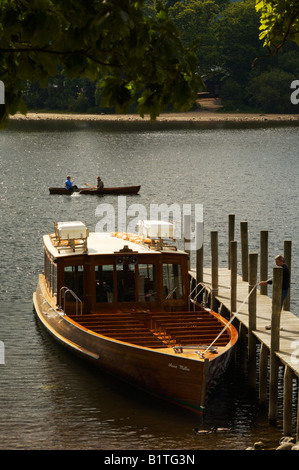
point(93, 272)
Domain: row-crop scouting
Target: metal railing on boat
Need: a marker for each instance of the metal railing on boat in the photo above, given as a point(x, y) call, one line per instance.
point(204, 288)
point(66, 291)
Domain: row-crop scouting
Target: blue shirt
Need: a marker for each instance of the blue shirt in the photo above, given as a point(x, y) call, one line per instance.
point(68, 184)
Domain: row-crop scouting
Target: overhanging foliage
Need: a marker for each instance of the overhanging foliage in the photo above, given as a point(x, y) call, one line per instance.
point(139, 60)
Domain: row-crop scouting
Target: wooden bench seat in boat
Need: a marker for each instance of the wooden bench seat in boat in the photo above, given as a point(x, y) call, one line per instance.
point(190, 328)
point(198, 331)
point(105, 324)
point(187, 317)
point(127, 330)
point(202, 322)
point(178, 328)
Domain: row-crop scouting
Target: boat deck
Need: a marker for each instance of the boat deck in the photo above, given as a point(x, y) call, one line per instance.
point(157, 330)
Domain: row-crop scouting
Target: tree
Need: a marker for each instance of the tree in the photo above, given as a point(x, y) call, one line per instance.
point(270, 91)
point(194, 20)
point(139, 59)
point(237, 39)
point(279, 21)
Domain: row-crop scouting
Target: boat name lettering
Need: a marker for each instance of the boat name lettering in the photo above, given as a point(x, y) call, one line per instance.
point(179, 367)
point(172, 365)
point(185, 368)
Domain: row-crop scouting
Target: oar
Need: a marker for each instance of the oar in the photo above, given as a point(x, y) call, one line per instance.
point(90, 185)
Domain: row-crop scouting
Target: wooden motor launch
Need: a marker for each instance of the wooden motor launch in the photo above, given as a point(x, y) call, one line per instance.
point(125, 303)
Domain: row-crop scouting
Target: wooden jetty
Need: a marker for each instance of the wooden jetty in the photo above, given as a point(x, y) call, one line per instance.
point(268, 335)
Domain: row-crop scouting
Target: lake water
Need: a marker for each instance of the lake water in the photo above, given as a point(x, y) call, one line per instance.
point(49, 400)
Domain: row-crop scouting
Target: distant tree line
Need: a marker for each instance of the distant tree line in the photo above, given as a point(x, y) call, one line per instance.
point(232, 61)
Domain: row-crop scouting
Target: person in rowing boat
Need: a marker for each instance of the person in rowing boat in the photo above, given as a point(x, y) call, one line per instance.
point(69, 184)
point(100, 184)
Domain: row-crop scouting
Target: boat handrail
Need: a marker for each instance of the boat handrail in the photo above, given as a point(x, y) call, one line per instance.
point(170, 293)
point(68, 290)
point(204, 287)
point(230, 321)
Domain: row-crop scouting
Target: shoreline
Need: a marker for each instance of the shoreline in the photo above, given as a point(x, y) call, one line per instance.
point(197, 116)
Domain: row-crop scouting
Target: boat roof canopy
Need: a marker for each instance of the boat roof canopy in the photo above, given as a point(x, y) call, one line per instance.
point(73, 238)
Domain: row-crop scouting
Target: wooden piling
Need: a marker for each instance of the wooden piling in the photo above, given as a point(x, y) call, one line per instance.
point(199, 252)
point(187, 236)
point(252, 273)
point(214, 268)
point(264, 260)
point(231, 234)
point(287, 401)
point(275, 340)
point(242, 344)
point(244, 249)
point(287, 253)
point(233, 276)
point(252, 263)
point(263, 375)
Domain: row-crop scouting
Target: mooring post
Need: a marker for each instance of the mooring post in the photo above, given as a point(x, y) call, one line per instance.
point(263, 375)
point(199, 253)
point(233, 276)
point(242, 342)
point(287, 401)
point(287, 253)
point(275, 327)
point(253, 258)
point(264, 260)
point(187, 236)
point(214, 268)
point(244, 249)
point(199, 256)
point(231, 234)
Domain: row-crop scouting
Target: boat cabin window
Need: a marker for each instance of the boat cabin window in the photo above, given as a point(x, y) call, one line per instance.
point(51, 274)
point(147, 282)
point(125, 275)
point(172, 281)
point(74, 280)
point(104, 283)
point(126, 282)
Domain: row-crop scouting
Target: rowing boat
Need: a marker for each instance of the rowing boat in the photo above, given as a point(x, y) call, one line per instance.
point(94, 191)
point(124, 302)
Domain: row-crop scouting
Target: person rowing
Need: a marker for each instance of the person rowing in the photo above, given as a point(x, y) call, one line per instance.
point(100, 184)
point(69, 184)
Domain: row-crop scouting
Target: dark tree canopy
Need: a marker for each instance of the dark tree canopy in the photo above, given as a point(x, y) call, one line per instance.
point(139, 60)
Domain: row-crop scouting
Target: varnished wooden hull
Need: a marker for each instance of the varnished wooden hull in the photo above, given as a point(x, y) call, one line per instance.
point(91, 191)
point(158, 371)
